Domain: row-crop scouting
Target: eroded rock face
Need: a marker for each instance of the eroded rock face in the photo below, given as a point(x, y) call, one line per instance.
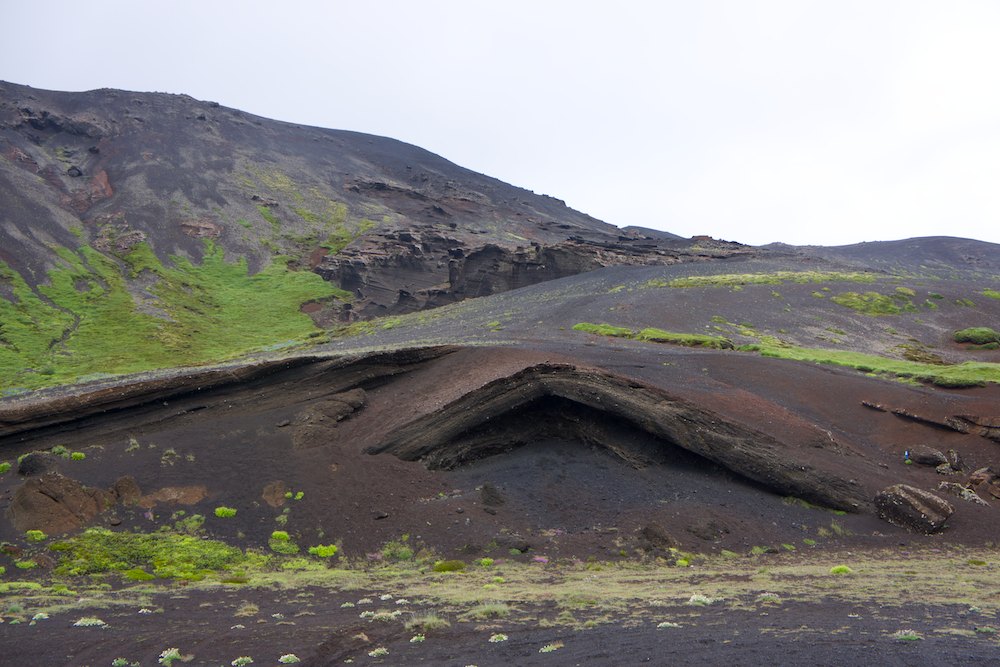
point(485, 422)
point(312, 427)
point(912, 508)
point(56, 504)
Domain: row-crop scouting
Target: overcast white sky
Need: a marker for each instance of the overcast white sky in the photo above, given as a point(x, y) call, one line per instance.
point(806, 122)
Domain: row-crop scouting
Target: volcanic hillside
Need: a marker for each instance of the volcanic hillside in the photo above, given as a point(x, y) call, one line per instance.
point(323, 406)
point(130, 218)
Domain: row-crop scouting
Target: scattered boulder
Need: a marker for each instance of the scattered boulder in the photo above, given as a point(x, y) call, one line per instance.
point(709, 530)
point(56, 504)
point(490, 495)
point(912, 508)
point(955, 460)
point(274, 493)
point(74, 172)
point(985, 480)
point(508, 541)
point(963, 492)
point(945, 469)
point(179, 495)
point(654, 537)
point(927, 456)
point(201, 228)
point(313, 426)
point(36, 463)
point(127, 491)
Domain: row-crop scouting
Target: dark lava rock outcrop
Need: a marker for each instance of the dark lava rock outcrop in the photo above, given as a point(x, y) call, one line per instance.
point(473, 427)
point(913, 508)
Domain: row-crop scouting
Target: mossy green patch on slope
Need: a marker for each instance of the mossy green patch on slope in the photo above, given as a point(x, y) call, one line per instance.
point(967, 374)
point(168, 555)
point(656, 335)
point(86, 321)
point(773, 278)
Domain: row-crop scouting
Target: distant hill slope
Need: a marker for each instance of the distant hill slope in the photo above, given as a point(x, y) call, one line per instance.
point(141, 229)
point(396, 225)
point(943, 256)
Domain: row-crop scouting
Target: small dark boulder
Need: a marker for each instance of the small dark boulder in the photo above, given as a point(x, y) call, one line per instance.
point(35, 464)
point(74, 172)
point(927, 456)
point(126, 490)
point(654, 537)
point(912, 508)
point(512, 541)
point(708, 530)
point(491, 496)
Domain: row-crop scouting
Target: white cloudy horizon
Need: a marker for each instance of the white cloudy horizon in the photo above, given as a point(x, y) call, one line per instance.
point(802, 122)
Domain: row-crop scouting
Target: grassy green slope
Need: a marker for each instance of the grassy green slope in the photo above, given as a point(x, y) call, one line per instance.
point(87, 320)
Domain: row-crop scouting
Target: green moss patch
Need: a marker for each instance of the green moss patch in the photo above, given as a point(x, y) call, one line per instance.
point(101, 315)
point(656, 336)
point(977, 336)
point(874, 303)
point(166, 555)
point(688, 340)
point(603, 330)
point(968, 374)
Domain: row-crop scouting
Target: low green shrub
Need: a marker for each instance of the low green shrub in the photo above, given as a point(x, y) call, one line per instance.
point(35, 536)
point(224, 512)
point(397, 550)
point(281, 543)
point(977, 336)
point(449, 566)
point(323, 550)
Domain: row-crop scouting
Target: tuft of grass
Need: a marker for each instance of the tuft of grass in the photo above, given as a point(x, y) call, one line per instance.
point(323, 550)
point(841, 569)
point(489, 610)
point(280, 542)
point(449, 566)
point(427, 623)
point(991, 293)
point(224, 512)
point(398, 550)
